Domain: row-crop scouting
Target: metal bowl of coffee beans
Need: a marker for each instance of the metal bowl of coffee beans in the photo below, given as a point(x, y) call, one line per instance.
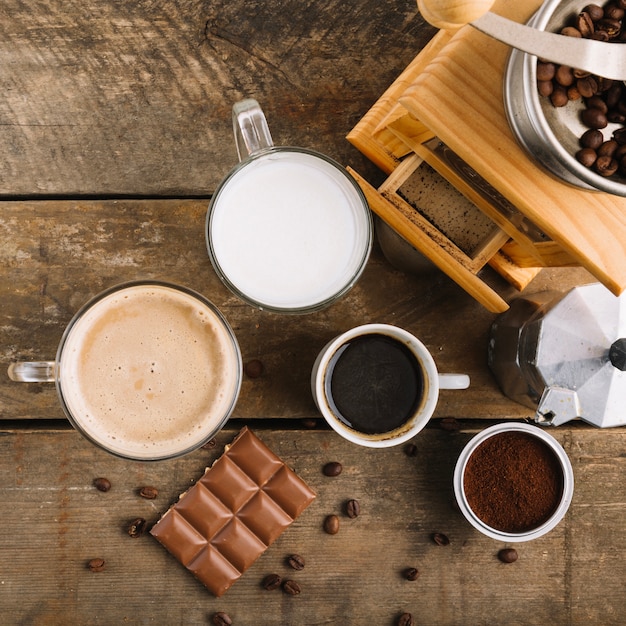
point(572, 122)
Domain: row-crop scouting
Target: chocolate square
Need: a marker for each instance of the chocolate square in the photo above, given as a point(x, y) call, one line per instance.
point(240, 506)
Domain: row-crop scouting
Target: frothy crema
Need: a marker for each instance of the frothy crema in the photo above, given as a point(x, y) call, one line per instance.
point(149, 371)
point(289, 230)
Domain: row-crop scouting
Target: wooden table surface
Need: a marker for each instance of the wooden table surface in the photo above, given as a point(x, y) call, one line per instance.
point(114, 130)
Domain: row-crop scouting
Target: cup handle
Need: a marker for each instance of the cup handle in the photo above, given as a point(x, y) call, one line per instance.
point(250, 127)
point(32, 371)
point(454, 381)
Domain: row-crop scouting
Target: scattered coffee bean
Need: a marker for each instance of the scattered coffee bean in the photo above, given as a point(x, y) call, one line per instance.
point(331, 524)
point(291, 588)
point(440, 539)
point(149, 493)
point(211, 443)
point(410, 449)
point(253, 368)
point(137, 527)
point(95, 565)
point(295, 561)
point(411, 573)
point(333, 468)
point(271, 582)
point(353, 508)
point(221, 619)
point(508, 555)
point(406, 619)
point(102, 484)
point(450, 424)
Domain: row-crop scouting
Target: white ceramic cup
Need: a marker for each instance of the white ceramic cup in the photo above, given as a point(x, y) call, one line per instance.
point(432, 382)
point(567, 482)
point(288, 230)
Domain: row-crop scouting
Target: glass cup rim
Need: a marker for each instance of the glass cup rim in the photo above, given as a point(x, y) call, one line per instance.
point(422, 415)
point(129, 285)
point(314, 307)
point(559, 453)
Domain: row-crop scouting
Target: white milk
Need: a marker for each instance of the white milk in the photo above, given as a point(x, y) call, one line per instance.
point(149, 372)
point(289, 230)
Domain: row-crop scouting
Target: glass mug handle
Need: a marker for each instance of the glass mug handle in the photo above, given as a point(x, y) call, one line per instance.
point(454, 381)
point(250, 127)
point(32, 371)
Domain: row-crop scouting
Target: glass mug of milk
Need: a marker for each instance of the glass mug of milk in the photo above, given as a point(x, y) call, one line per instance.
point(145, 370)
point(377, 385)
point(288, 230)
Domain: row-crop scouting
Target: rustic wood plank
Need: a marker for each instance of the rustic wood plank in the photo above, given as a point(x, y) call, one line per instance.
point(134, 98)
point(57, 255)
point(54, 521)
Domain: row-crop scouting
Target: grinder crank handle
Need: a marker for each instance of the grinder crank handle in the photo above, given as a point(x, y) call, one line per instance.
point(452, 14)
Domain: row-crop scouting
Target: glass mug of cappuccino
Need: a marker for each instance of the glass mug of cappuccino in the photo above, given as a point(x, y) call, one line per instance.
point(288, 230)
point(146, 370)
point(377, 385)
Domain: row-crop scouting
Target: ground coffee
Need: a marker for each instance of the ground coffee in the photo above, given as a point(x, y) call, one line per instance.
point(513, 482)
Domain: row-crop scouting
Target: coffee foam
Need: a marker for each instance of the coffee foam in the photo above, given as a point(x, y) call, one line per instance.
point(288, 230)
point(149, 372)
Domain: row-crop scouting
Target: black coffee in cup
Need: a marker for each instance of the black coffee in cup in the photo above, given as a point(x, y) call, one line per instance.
point(374, 383)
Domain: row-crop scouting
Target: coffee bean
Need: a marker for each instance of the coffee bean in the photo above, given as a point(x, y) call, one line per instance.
point(253, 368)
point(606, 166)
point(295, 561)
point(592, 138)
point(450, 424)
point(411, 573)
point(545, 71)
point(558, 97)
point(334, 468)
point(331, 524)
point(102, 484)
point(594, 11)
point(564, 76)
point(271, 582)
point(594, 118)
point(410, 449)
point(508, 555)
point(353, 508)
point(586, 156)
point(291, 588)
point(440, 539)
point(309, 422)
point(96, 565)
point(406, 619)
point(137, 527)
point(211, 443)
point(149, 493)
point(221, 619)
point(585, 24)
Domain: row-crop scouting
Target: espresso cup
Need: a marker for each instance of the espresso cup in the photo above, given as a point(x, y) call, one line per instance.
point(288, 230)
point(145, 370)
point(377, 385)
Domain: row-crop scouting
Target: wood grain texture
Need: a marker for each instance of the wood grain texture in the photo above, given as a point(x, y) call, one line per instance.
point(57, 255)
point(134, 98)
point(54, 521)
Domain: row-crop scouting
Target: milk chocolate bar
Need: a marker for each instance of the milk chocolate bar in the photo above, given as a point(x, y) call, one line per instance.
point(241, 505)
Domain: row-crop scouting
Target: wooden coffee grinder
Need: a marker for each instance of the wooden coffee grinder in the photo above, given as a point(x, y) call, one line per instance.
point(445, 112)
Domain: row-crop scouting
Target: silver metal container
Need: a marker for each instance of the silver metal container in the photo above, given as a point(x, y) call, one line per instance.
point(551, 135)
